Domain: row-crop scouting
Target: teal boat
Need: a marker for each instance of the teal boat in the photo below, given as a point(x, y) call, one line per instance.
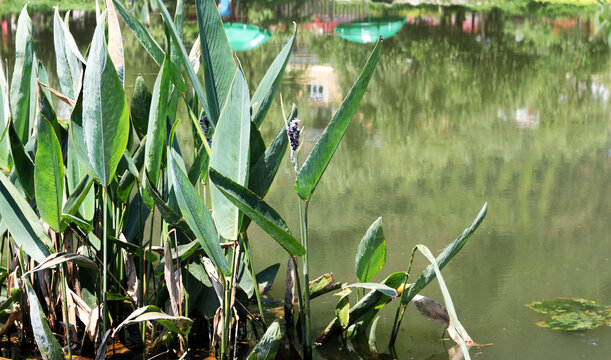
point(368, 31)
point(244, 37)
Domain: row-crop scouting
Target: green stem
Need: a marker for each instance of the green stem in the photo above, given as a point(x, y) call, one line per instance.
point(105, 260)
point(307, 346)
point(66, 319)
point(246, 246)
point(401, 307)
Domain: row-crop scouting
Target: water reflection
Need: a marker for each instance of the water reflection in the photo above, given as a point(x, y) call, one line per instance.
point(464, 107)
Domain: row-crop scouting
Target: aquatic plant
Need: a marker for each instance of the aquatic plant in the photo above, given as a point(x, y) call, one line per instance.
point(82, 195)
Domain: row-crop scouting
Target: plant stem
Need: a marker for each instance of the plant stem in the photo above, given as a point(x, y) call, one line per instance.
point(401, 307)
point(246, 246)
point(105, 261)
point(66, 319)
point(307, 346)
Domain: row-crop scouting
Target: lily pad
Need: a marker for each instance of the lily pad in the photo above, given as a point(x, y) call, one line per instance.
point(572, 314)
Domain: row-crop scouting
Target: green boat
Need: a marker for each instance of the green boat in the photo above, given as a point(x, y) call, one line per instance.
point(368, 31)
point(244, 37)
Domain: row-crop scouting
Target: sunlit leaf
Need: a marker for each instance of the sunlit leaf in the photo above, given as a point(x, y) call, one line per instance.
point(320, 156)
point(371, 253)
point(263, 96)
point(176, 324)
point(62, 257)
point(105, 111)
point(196, 214)
point(49, 175)
point(141, 33)
point(21, 84)
point(259, 211)
point(230, 154)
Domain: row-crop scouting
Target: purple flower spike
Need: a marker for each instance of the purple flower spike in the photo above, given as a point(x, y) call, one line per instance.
point(293, 131)
point(204, 123)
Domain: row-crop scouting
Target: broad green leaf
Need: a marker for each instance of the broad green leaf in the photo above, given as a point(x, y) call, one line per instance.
point(137, 215)
point(230, 154)
point(25, 227)
point(199, 169)
point(156, 130)
point(49, 175)
point(78, 195)
point(69, 69)
point(81, 198)
point(45, 340)
point(5, 158)
point(61, 257)
point(105, 111)
point(265, 169)
point(269, 344)
point(371, 254)
point(167, 213)
point(128, 179)
point(77, 136)
point(21, 85)
point(141, 33)
point(264, 95)
point(259, 211)
point(572, 314)
point(24, 166)
point(176, 324)
point(197, 86)
point(218, 64)
point(197, 215)
point(140, 106)
point(442, 260)
point(320, 156)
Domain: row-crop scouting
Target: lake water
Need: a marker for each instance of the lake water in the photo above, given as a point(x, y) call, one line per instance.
point(509, 110)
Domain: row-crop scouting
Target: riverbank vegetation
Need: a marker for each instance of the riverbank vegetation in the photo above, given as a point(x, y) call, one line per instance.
point(108, 237)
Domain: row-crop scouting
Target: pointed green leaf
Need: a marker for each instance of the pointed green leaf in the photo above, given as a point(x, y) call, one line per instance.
point(78, 195)
point(199, 169)
point(218, 63)
point(5, 159)
point(197, 86)
point(323, 151)
point(446, 255)
point(140, 106)
point(81, 198)
point(77, 136)
point(21, 85)
point(61, 257)
point(24, 166)
point(156, 130)
point(25, 227)
point(269, 344)
point(105, 110)
point(196, 214)
point(69, 69)
point(264, 95)
point(49, 175)
point(176, 324)
point(230, 154)
point(128, 178)
point(141, 33)
point(115, 43)
point(384, 289)
point(259, 211)
point(371, 254)
point(45, 340)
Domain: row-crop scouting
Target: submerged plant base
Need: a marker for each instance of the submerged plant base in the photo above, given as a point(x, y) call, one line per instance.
point(572, 314)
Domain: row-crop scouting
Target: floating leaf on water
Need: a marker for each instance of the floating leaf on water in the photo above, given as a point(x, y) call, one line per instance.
point(572, 314)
